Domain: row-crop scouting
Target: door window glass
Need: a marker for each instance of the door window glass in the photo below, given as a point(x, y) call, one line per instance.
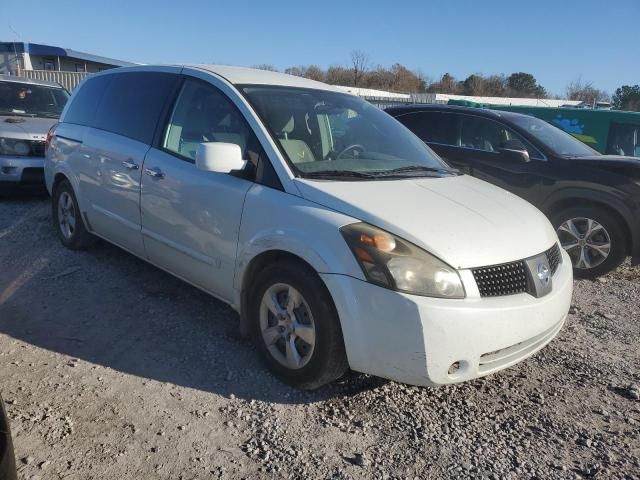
point(624, 139)
point(434, 127)
point(132, 103)
point(483, 134)
point(204, 114)
point(85, 101)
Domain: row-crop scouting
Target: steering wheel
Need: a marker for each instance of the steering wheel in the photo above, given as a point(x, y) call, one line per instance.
point(355, 147)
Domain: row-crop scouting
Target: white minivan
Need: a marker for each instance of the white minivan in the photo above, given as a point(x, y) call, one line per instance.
point(341, 239)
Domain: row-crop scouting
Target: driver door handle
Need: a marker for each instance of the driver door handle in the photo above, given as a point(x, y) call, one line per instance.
point(154, 172)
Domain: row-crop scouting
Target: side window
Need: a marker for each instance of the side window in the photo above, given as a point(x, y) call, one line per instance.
point(434, 127)
point(484, 134)
point(85, 101)
point(202, 113)
point(624, 139)
point(133, 102)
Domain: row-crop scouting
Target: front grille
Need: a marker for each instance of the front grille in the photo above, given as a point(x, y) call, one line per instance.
point(554, 257)
point(498, 280)
point(37, 148)
point(511, 278)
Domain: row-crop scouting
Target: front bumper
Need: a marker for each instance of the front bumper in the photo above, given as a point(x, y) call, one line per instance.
point(416, 340)
point(21, 171)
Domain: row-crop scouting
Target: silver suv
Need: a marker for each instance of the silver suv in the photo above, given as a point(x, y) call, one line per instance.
point(28, 108)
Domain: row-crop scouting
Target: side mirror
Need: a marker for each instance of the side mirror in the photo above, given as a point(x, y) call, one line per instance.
point(219, 157)
point(513, 155)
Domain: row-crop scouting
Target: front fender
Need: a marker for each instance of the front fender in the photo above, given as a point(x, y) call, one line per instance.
point(277, 221)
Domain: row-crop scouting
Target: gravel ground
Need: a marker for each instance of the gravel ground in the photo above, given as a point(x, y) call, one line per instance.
point(112, 369)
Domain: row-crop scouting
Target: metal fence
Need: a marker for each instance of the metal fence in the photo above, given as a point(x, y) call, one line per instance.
point(68, 80)
point(71, 80)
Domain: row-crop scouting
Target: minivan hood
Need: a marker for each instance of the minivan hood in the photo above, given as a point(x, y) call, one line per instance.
point(462, 220)
point(33, 128)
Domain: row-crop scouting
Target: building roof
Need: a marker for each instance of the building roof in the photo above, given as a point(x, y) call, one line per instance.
point(253, 76)
point(525, 102)
point(52, 51)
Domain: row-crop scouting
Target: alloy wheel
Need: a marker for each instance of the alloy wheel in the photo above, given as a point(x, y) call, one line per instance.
point(287, 326)
point(586, 241)
point(66, 215)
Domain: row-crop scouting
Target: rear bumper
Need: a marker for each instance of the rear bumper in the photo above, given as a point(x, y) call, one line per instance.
point(21, 172)
point(417, 340)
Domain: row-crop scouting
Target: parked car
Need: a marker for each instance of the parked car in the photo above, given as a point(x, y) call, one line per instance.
point(7, 457)
point(338, 236)
point(592, 200)
point(28, 108)
point(612, 132)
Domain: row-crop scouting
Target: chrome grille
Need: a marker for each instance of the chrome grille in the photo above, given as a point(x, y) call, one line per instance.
point(555, 258)
point(498, 280)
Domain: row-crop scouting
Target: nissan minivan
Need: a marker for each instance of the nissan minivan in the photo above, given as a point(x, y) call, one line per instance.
point(341, 239)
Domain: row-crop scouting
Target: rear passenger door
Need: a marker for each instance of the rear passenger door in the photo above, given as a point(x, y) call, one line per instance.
point(190, 217)
point(115, 146)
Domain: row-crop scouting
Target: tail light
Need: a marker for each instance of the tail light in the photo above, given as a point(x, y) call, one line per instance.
point(50, 133)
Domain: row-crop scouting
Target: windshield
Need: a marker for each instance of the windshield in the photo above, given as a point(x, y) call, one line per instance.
point(31, 100)
point(560, 142)
point(329, 134)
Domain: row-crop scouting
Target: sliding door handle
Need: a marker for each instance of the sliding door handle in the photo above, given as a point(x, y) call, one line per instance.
point(130, 165)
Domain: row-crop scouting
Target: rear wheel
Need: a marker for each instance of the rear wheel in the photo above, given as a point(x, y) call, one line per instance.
point(296, 325)
point(593, 238)
point(67, 218)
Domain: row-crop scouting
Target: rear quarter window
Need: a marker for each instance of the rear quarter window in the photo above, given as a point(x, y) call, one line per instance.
point(84, 103)
point(133, 102)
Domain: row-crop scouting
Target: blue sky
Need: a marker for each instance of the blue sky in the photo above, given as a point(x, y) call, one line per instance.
point(555, 40)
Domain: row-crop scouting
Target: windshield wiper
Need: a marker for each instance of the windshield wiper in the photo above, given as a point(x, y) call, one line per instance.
point(351, 174)
point(17, 114)
point(46, 114)
point(414, 169)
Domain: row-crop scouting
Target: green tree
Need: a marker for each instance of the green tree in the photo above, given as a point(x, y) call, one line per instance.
point(627, 98)
point(525, 85)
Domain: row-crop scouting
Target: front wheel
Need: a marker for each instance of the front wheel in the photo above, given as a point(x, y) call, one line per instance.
point(296, 326)
point(593, 238)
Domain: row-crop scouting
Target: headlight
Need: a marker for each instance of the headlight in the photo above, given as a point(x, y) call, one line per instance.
point(394, 263)
point(14, 146)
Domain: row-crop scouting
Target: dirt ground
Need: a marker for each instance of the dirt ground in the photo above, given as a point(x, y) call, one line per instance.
point(113, 369)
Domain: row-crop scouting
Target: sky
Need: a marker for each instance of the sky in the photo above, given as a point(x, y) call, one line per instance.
point(557, 41)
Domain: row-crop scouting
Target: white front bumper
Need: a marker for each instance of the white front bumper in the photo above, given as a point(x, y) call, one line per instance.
point(415, 339)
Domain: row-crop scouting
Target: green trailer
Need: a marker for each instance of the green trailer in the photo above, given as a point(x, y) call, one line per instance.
point(611, 132)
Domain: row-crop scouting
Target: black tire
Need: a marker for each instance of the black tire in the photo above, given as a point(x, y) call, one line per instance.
point(328, 360)
point(614, 229)
point(80, 238)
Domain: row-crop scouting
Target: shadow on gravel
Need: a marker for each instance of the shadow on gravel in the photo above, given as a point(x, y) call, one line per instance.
point(109, 308)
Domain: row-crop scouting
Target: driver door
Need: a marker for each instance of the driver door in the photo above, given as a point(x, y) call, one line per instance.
point(190, 217)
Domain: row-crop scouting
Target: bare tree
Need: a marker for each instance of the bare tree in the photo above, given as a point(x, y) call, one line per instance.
point(360, 65)
point(585, 92)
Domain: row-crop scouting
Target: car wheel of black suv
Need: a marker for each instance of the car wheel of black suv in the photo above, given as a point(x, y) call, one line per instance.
point(296, 325)
point(593, 238)
point(67, 219)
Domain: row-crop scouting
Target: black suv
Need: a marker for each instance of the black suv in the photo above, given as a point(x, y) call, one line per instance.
point(593, 200)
